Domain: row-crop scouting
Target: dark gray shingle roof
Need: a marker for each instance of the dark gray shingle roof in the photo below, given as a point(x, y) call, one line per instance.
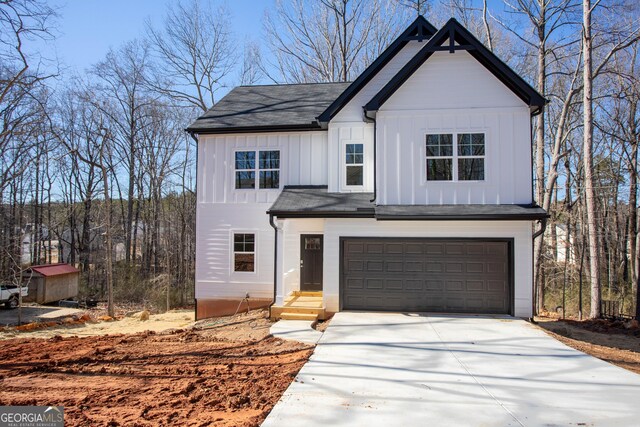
point(316, 201)
point(305, 200)
point(269, 107)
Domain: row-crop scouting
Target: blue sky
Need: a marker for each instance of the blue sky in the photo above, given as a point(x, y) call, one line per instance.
point(88, 28)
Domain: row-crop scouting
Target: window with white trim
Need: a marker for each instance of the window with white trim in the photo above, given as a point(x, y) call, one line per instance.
point(267, 172)
point(245, 169)
point(354, 160)
point(455, 157)
point(244, 252)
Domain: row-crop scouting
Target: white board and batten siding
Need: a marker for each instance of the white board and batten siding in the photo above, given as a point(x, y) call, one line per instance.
point(519, 231)
point(223, 210)
point(453, 93)
point(348, 126)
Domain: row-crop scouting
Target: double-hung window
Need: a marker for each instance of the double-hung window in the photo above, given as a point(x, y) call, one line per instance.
point(266, 171)
point(354, 164)
point(244, 252)
point(455, 157)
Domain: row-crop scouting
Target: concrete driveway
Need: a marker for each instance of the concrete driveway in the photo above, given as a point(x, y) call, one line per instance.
point(35, 313)
point(388, 369)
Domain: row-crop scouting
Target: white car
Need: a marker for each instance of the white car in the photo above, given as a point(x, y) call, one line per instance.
point(9, 294)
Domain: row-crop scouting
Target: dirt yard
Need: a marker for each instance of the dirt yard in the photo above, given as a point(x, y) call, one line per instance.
point(227, 372)
point(613, 342)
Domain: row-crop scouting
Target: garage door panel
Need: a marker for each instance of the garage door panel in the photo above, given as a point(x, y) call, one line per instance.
point(434, 248)
point(377, 266)
point(475, 285)
point(394, 267)
point(414, 266)
point(454, 249)
point(454, 285)
point(434, 285)
point(393, 248)
point(496, 249)
point(395, 274)
point(374, 248)
point(454, 267)
point(475, 267)
point(355, 265)
point(374, 284)
point(476, 249)
point(354, 283)
point(414, 249)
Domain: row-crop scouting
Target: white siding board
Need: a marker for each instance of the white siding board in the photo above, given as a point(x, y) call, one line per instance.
point(402, 166)
point(454, 81)
point(303, 162)
point(352, 111)
point(340, 134)
point(292, 229)
point(215, 226)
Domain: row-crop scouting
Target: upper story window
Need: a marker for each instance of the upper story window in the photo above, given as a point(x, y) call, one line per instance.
point(354, 164)
point(268, 169)
point(455, 157)
point(245, 169)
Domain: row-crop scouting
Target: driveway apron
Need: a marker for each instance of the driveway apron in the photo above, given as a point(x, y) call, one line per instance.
point(399, 369)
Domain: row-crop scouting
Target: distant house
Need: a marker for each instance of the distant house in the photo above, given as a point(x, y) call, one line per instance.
point(408, 189)
point(38, 242)
point(564, 250)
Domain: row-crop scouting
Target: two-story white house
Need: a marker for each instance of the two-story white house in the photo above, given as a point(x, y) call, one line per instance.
point(409, 189)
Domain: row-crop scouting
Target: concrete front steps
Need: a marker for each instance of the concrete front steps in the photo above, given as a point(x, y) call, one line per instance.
point(300, 305)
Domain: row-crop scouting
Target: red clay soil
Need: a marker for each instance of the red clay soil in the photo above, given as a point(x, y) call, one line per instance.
point(193, 377)
point(615, 342)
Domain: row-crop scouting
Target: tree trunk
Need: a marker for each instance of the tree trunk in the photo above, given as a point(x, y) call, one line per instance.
point(587, 153)
point(539, 151)
point(108, 240)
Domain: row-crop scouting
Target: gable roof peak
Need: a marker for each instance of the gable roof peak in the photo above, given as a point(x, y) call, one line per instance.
point(420, 29)
point(451, 37)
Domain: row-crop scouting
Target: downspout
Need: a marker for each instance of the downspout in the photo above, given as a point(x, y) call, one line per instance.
point(195, 138)
point(275, 261)
point(375, 172)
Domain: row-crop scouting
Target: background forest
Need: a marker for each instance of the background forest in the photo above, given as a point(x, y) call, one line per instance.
point(97, 171)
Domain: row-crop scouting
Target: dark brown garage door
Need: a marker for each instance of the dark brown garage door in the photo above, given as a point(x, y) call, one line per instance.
point(435, 275)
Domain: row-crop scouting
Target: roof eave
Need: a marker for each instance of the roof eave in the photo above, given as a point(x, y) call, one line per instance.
point(478, 217)
point(251, 129)
point(322, 214)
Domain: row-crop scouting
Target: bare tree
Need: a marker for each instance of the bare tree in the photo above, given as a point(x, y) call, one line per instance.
point(321, 40)
point(121, 78)
point(251, 70)
point(194, 52)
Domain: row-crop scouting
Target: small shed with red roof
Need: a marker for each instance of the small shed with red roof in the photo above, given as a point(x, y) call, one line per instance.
point(51, 282)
